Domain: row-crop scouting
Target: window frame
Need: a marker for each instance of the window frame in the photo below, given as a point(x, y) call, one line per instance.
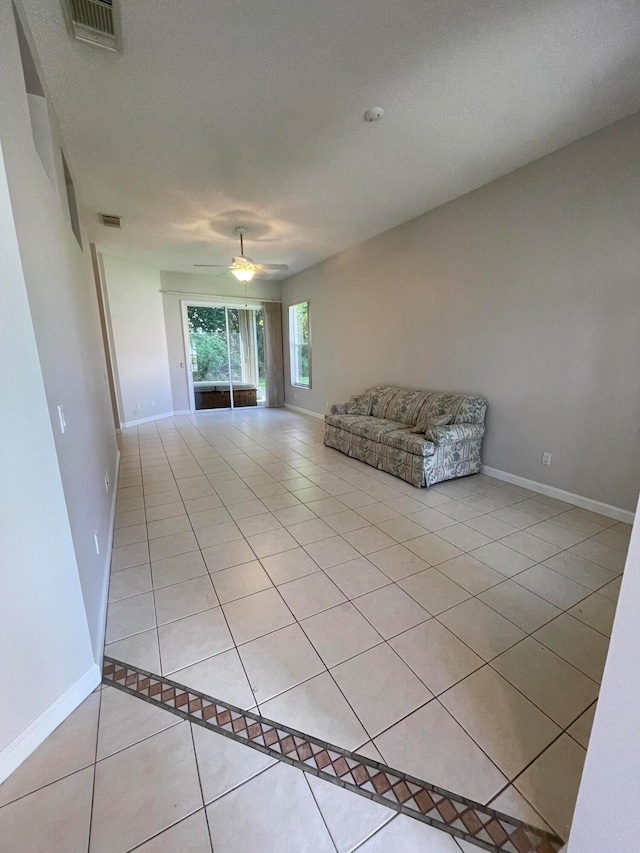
point(294, 345)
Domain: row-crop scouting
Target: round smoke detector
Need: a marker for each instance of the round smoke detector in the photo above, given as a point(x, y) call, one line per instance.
point(374, 114)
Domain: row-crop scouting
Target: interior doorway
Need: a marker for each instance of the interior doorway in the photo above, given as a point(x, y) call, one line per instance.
point(225, 355)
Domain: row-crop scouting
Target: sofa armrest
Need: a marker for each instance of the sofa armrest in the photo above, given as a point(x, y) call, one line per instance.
point(454, 433)
point(338, 409)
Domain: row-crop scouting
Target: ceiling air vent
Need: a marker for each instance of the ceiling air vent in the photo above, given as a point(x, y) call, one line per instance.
point(96, 22)
point(109, 221)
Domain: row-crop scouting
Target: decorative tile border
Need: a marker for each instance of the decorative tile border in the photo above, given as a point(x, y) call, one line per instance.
point(463, 818)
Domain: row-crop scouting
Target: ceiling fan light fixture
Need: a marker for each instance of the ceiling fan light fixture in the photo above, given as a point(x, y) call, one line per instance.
point(244, 267)
point(243, 274)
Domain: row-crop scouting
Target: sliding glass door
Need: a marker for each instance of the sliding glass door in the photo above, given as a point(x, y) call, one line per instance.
point(226, 356)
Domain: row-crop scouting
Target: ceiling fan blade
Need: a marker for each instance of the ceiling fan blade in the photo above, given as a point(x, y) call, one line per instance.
point(219, 266)
point(272, 267)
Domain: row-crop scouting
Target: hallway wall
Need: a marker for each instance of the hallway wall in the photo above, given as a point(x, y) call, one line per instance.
point(47, 660)
point(62, 299)
point(53, 500)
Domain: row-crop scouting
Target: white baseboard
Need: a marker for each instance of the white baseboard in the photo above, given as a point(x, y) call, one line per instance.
point(161, 417)
point(304, 411)
point(30, 739)
point(552, 492)
point(104, 599)
point(139, 421)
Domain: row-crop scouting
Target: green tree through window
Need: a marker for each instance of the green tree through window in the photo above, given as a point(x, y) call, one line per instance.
point(208, 341)
point(299, 344)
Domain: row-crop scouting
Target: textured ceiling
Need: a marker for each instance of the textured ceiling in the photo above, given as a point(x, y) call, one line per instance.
point(227, 113)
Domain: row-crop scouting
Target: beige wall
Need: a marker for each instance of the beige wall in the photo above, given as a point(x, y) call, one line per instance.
point(526, 291)
point(199, 287)
point(136, 325)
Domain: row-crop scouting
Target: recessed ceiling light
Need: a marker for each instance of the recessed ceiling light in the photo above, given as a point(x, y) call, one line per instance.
point(374, 114)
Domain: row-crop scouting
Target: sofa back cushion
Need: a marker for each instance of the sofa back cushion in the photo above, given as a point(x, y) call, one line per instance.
point(408, 407)
point(380, 396)
point(396, 404)
point(465, 408)
point(359, 405)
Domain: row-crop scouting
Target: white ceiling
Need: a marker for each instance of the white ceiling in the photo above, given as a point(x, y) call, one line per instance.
point(230, 113)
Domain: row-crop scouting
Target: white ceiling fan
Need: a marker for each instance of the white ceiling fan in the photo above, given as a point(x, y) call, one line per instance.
point(245, 268)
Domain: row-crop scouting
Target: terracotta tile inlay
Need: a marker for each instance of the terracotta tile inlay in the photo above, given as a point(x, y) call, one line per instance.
point(458, 816)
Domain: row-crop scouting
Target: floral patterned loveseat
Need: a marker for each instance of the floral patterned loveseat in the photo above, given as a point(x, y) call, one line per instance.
point(384, 438)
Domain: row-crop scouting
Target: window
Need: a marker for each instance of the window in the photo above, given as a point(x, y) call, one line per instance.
point(299, 343)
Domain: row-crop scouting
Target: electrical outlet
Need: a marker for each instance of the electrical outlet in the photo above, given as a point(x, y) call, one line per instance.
point(97, 544)
point(106, 481)
point(152, 404)
point(138, 406)
point(546, 459)
point(63, 423)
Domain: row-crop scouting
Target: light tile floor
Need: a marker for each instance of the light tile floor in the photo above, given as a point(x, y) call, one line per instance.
point(457, 633)
point(121, 775)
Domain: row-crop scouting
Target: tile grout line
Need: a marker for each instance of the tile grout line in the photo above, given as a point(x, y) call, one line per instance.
point(322, 817)
point(204, 805)
point(453, 814)
point(244, 669)
point(360, 844)
point(95, 762)
point(167, 828)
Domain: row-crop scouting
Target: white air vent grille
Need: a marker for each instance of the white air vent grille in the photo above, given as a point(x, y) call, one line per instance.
point(109, 220)
point(94, 21)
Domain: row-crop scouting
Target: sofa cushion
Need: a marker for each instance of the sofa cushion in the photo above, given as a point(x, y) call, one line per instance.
point(373, 428)
point(437, 421)
point(363, 425)
point(359, 405)
point(404, 439)
point(342, 421)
